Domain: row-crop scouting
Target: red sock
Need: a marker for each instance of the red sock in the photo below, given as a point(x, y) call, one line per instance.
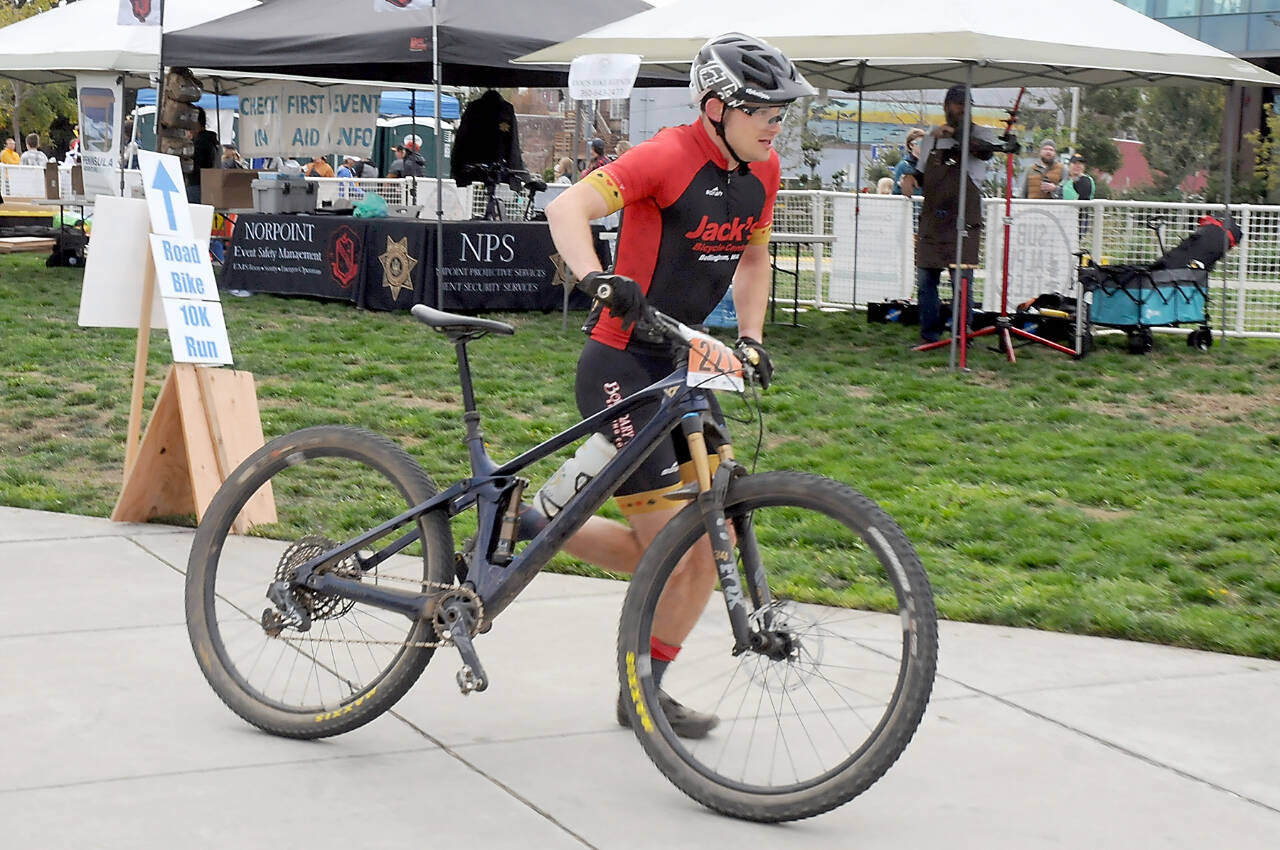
point(662, 651)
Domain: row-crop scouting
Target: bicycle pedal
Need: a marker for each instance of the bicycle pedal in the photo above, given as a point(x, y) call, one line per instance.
point(468, 681)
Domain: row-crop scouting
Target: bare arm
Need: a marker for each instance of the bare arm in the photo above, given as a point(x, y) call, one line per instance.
point(751, 290)
point(570, 216)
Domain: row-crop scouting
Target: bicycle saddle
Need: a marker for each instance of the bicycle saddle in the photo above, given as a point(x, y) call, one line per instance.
point(452, 325)
point(535, 185)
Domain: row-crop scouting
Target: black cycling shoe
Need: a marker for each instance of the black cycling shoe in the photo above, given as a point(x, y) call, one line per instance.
point(684, 721)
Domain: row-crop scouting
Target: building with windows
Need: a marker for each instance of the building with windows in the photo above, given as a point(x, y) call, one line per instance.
point(1247, 28)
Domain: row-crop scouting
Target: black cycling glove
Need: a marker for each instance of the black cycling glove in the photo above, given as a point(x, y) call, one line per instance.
point(624, 299)
point(752, 352)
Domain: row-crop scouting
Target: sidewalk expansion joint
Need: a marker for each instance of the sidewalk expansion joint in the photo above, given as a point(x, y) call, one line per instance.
point(158, 557)
point(1112, 745)
point(454, 754)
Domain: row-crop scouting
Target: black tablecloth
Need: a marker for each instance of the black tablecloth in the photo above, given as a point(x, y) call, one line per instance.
point(389, 264)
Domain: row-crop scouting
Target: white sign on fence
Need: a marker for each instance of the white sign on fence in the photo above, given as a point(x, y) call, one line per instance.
point(301, 121)
point(885, 261)
point(1043, 236)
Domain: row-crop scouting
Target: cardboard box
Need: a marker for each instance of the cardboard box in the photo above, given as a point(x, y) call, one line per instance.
point(227, 188)
point(52, 189)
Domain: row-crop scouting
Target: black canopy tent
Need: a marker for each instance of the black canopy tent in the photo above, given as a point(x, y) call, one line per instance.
point(352, 40)
point(414, 42)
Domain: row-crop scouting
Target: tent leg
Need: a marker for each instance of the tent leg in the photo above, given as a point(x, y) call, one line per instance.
point(435, 79)
point(959, 288)
point(1228, 143)
point(857, 199)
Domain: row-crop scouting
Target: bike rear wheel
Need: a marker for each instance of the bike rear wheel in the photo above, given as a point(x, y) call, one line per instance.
point(802, 734)
point(329, 483)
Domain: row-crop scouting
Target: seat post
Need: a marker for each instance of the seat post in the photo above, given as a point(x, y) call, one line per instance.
point(464, 376)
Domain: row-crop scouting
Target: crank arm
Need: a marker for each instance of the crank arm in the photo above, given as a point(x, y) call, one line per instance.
point(472, 676)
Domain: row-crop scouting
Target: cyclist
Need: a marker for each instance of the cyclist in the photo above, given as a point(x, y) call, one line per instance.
point(699, 209)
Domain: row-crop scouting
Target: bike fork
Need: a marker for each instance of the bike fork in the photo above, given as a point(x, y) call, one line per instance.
point(711, 496)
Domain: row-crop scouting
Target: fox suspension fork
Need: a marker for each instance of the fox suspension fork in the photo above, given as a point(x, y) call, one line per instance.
point(712, 490)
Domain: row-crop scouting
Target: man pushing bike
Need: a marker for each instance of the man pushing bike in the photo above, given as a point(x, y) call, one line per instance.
point(699, 210)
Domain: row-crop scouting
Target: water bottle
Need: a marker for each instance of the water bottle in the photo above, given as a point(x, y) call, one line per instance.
point(574, 474)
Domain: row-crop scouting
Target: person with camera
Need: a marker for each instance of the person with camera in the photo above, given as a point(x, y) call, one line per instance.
point(699, 210)
point(937, 174)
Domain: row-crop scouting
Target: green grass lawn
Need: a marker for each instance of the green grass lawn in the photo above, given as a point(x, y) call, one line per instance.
point(1130, 496)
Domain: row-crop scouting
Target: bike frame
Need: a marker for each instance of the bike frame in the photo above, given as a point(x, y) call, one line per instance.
point(499, 584)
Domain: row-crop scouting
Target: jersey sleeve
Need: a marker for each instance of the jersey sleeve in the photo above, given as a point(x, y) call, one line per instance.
point(635, 175)
point(769, 173)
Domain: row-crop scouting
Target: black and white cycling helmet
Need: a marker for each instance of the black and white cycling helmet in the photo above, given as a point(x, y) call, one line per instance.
point(739, 69)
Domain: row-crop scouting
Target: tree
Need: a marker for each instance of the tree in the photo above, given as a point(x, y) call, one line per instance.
point(17, 114)
point(1095, 145)
point(1180, 130)
point(810, 151)
point(876, 170)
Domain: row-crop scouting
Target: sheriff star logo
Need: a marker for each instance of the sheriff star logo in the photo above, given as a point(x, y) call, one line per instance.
point(397, 266)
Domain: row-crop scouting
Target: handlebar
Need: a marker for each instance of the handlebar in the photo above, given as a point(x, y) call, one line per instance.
point(670, 329)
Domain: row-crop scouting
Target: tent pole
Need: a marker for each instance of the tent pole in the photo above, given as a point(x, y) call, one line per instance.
point(159, 82)
point(959, 304)
point(435, 80)
point(857, 196)
point(217, 109)
point(413, 131)
point(121, 151)
point(1228, 143)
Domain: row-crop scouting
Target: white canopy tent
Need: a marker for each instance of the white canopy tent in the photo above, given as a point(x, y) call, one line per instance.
point(999, 42)
point(981, 43)
point(54, 46)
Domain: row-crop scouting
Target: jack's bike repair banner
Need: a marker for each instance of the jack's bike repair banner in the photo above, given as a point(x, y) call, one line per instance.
point(495, 265)
point(322, 256)
point(101, 101)
point(301, 121)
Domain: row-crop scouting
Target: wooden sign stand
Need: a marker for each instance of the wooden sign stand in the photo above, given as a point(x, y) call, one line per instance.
point(205, 422)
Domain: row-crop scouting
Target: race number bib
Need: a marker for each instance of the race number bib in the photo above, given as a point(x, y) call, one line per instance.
point(713, 365)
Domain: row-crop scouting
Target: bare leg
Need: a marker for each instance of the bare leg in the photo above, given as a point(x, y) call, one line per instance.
point(613, 546)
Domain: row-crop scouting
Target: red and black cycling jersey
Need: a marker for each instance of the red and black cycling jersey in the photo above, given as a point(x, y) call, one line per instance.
point(688, 219)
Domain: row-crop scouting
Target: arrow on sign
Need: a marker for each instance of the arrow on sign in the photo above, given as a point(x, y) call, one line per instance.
point(164, 184)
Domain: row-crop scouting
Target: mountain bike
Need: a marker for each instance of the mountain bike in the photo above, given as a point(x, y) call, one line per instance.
point(815, 703)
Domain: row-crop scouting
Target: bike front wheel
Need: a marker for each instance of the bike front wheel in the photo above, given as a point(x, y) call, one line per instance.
point(328, 484)
point(817, 721)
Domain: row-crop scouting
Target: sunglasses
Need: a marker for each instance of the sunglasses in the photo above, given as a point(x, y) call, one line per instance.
point(766, 114)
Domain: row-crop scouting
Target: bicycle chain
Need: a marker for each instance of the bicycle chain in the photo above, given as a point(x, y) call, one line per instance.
point(417, 644)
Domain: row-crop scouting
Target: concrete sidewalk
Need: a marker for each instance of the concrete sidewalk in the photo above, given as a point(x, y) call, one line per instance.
point(110, 737)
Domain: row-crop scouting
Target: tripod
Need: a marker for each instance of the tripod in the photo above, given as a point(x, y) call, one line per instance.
point(1004, 324)
point(491, 175)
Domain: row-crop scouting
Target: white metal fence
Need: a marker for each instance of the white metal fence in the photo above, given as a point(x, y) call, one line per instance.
point(872, 255)
point(20, 182)
point(1245, 287)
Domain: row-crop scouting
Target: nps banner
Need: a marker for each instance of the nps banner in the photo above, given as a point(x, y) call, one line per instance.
point(301, 121)
point(100, 97)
